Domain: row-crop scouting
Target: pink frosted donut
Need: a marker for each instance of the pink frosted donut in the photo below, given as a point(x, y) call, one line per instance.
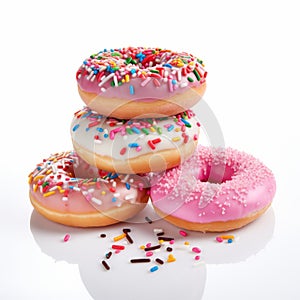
point(63, 190)
point(131, 82)
point(215, 190)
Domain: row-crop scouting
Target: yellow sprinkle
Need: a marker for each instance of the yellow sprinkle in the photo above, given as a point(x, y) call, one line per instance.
point(127, 78)
point(142, 247)
point(35, 187)
point(177, 129)
point(123, 80)
point(36, 178)
point(161, 241)
point(152, 129)
point(186, 243)
point(227, 237)
point(30, 178)
point(49, 194)
point(103, 193)
point(176, 139)
point(171, 258)
point(49, 172)
point(119, 237)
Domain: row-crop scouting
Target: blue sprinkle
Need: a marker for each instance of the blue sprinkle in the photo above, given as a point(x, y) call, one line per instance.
point(105, 50)
point(96, 72)
point(153, 269)
point(168, 65)
point(87, 129)
point(114, 199)
point(229, 241)
point(139, 54)
point(105, 135)
point(133, 145)
point(99, 129)
point(127, 186)
point(132, 71)
point(135, 130)
point(131, 90)
point(113, 176)
point(39, 168)
point(71, 187)
point(174, 81)
point(186, 123)
point(85, 62)
point(75, 127)
point(170, 128)
point(86, 114)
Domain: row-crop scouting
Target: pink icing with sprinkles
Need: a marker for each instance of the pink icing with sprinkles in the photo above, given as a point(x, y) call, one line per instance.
point(215, 185)
point(140, 71)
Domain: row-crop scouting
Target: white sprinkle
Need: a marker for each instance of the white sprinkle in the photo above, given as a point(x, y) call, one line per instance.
point(129, 197)
point(183, 84)
point(106, 79)
point(97, 201)
point(115, 80)
point(146, 81)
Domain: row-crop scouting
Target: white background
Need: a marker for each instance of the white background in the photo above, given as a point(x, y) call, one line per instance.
point(251, 50)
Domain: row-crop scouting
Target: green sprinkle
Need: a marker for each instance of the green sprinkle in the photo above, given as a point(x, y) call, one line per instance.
point(112, 83)
point(120, 83)
point(159, 130)
point(116, 54)
point(190, 79)
point(133, 61)
point(150, 121)
point(145, 130)
point(45, 183)
point(197, 74)
point(154, 71)
point(129, 131)
point(128, 60)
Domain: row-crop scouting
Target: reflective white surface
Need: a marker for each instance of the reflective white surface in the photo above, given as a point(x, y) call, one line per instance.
point(252, 56)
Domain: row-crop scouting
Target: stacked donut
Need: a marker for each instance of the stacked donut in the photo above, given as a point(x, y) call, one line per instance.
point(138, 122)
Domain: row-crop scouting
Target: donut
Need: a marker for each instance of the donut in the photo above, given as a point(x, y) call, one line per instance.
point(217, 189)
point(133, 82)
point(62, 190)
point(136, 145)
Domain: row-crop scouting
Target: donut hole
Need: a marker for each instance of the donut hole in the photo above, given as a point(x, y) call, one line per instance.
point(216, 174)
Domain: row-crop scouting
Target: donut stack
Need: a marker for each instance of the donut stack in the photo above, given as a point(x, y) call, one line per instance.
point(138, 124)
point(137, 121)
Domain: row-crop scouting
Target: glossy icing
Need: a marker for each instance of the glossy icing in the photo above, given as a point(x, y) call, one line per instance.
point(126, 139)
point(65, 183)
point(140, 73)
point(214, 185)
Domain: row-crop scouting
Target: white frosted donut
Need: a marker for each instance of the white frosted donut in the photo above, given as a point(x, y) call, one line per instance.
point(134, 146)
point(215, 190)
point(62, 190)
point(129, 82)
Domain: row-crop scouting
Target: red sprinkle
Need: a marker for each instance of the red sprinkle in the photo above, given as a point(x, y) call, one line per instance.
point(151, 145)
point(123, 151)
point(118, 247)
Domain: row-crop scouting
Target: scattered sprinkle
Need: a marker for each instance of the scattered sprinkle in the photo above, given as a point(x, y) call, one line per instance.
point(67, 237)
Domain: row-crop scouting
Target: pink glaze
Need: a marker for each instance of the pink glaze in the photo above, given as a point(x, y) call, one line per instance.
point(151, 74)
point(215, 185)
point(65, 183)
